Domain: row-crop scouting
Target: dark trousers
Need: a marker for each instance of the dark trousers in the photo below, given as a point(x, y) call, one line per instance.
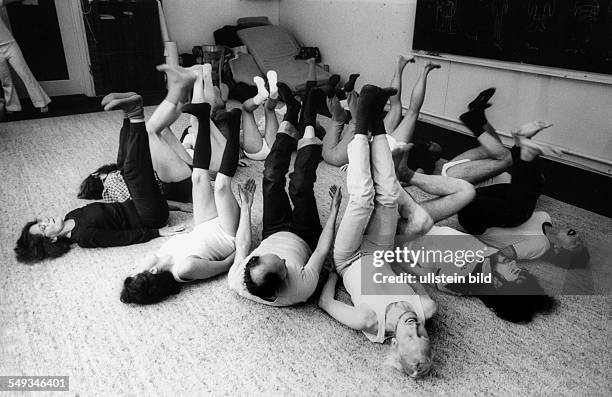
point(506, 204)
point(278, 216)
point(134, 160)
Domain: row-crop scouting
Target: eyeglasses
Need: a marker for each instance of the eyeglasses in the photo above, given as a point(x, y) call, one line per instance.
point(571, 232)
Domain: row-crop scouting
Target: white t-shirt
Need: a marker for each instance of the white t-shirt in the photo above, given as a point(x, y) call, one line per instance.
point(5, 34)
point(301, 280)
point(207, 240)
point(528, 239)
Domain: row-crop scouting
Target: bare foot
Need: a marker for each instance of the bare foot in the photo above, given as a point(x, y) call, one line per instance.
point(400, 157)
point(403, 60)
point(207, 70)
point(178, 77)
point(131, 106)
point(429, 66)
point(530, 150)
point(197, 69)
point(529, 130)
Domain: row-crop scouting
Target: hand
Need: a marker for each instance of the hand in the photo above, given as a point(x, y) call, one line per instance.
point(172, 230)
point(247, 191)
point(335, 192)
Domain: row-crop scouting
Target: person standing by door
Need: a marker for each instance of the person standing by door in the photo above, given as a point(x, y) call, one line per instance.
point(10, 54)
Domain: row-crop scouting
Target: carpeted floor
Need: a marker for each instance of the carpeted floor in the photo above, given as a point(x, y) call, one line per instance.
point(64, 317)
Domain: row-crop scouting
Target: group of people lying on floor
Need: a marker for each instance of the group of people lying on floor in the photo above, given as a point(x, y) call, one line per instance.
point(154, 172)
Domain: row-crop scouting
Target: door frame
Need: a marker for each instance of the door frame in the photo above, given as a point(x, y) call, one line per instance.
point(83, 77)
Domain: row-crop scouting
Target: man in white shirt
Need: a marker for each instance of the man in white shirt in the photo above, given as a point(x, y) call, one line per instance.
point(284, 269)
point(10, 54)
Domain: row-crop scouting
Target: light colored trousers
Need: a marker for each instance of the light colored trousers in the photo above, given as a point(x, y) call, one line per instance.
point(10, 54)
point(370, 219)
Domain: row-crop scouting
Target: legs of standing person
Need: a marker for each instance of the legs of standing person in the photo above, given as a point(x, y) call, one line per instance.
point(405, 129)
point(306, 222)
point(10, 93)
point(394, 115)
point(11, 53)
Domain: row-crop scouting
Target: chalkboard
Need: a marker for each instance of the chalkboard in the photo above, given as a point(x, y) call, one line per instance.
point(570, 34)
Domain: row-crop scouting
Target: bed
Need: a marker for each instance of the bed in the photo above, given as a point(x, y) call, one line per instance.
point(273, 48)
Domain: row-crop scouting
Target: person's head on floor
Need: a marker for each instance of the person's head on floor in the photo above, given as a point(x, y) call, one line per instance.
point(264, 275)
point(150, 286)
point(41, 239)
point(568, 248)
point(515, 294)
point(410, 348)
point(91, 188)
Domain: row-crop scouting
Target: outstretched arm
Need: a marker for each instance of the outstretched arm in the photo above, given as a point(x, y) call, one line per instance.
point(196, 268)
point(327, 235)
point(351, 316)
point(243, 234)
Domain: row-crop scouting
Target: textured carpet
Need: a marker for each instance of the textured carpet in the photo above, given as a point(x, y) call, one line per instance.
point(64, 317)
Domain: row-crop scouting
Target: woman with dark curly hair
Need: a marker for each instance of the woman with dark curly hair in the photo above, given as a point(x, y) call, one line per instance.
point(116, 224)
point(208, 249)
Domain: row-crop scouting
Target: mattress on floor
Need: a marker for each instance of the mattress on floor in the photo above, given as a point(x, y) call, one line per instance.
point(273, 48)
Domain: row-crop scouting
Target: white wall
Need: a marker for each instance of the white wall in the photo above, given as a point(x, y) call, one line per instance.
point(366, 36)
point(362, 36)
point(192, 22)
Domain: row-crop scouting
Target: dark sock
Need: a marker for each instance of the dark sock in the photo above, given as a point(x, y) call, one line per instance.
point(377, 113)
point(309, 113)
point(367, 99)
point(202, 150)
point(330, 88)
point(350, 84)
point(293, 106)
point(482, 99)
point(200, 110)
point(405, 174)
point(229, 161)
point(474, 120)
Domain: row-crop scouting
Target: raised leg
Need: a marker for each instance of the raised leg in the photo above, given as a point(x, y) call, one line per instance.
point(394, 115)
point(405, 129)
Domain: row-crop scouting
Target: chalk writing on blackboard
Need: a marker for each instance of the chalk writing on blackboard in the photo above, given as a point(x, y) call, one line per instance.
point(539, 13)
point(499, 9)
point(445, 16)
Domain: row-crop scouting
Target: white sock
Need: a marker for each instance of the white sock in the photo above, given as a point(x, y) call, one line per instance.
point(262, 93)
point(272, 80)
